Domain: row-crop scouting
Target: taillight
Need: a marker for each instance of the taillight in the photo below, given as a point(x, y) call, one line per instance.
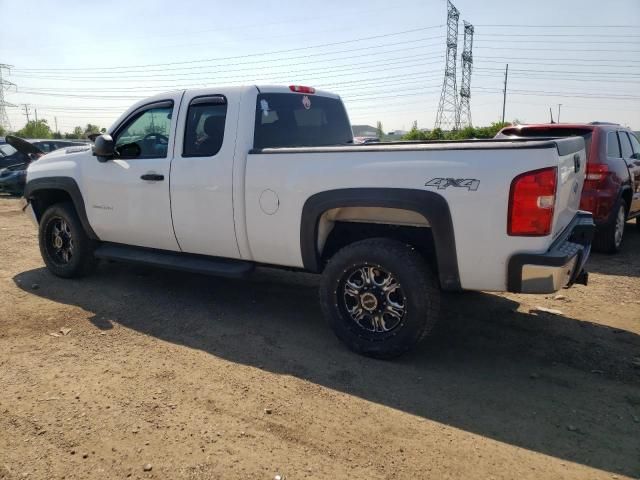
point(596, 173)
point(531, 201)
point(302, 89)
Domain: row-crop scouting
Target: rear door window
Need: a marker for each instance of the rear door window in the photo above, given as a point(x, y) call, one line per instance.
point(627, 151)
point(613, 147)
point(204, 131)
point(635, 144)
point(297, 120)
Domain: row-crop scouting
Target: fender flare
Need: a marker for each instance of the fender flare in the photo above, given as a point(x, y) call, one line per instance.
point(67, 185)
point(430, 205)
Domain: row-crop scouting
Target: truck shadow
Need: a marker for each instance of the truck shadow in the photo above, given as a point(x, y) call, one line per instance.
point(622, 263)
point(544, 383)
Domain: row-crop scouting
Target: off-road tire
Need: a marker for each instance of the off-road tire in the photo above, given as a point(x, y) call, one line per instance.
point(604, 240)
point(417, 282)
point(82, 261)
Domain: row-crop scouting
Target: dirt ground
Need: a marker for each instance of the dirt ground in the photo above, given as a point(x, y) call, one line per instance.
point(206, 378)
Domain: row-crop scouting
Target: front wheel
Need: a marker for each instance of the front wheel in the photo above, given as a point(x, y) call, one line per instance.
point(380, 297)
point(65, 247)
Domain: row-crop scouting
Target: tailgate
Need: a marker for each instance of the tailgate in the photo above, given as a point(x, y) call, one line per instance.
point(572, 164)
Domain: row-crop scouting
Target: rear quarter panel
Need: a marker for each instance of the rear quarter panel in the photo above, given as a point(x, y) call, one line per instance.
point(479, 217)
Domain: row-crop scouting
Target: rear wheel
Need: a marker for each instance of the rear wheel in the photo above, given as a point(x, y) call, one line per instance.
point(608, 238)
point(65, 247)
point(380, 297)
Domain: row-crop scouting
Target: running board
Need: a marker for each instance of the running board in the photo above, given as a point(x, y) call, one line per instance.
point(174, 261)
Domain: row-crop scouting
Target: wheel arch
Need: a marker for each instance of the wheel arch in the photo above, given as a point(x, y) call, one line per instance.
point(44, 192)
point(428, 205)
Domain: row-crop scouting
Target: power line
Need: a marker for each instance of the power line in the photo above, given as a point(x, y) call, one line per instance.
point(582, 26)
point(249, 55)
point(153, 77)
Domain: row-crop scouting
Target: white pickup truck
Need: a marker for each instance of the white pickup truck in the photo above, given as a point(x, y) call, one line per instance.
point(219, 180)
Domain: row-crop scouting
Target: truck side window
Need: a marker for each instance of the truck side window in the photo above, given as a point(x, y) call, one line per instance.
point(146, 135)
point(613, 147)
point(204, 130)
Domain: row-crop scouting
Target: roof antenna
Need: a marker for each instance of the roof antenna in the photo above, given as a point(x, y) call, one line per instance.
point(551, 113)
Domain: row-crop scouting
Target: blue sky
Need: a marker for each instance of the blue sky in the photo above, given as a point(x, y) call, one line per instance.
point(83, 62)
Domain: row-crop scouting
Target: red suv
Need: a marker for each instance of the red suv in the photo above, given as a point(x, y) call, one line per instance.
point(612, 187)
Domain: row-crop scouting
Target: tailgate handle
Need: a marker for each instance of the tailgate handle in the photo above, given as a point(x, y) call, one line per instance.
point(576, 162)
point(154, 177)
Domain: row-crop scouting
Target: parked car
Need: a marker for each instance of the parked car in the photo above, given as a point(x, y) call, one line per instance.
point(612, 187)
point(219, 180)
point(18, 153)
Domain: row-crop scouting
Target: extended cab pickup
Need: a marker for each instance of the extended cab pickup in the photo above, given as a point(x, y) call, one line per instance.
point(220, 180)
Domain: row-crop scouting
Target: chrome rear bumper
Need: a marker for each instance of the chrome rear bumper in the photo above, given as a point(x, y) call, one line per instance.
point(561, 266)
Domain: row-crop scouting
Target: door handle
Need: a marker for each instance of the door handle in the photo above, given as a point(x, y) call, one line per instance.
point(154, 177)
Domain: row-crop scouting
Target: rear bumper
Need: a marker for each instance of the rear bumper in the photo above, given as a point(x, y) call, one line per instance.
point(561, 266)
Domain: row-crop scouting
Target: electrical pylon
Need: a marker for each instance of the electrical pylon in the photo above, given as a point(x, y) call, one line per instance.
point(448, 106)
point(4, 84)
point(463, 119)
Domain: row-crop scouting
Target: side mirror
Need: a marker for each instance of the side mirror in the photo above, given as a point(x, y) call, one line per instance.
point(104, 148)
point(636, 156)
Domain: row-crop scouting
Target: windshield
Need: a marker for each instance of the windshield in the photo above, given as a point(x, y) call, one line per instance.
point(6, 150)
point(297, 120)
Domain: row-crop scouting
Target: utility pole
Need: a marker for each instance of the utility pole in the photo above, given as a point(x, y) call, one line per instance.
point(4, 84)
point(36, 110)
point(448, 106)
point(559, 105)
point(551, 115)
point(26, 111)
point(504, 97)
point(55, 119)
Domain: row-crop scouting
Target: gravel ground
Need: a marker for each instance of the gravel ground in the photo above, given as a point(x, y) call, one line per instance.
point(170, 375)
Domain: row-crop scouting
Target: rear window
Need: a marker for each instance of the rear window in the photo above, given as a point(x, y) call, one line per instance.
point(552, 132)
point(297, 120)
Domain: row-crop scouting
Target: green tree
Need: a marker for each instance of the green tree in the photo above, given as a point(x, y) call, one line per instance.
point(35, 129)
point(3, 132)
point(90, 128)
point(379, 130)
point(464, 134)
point(77, 133)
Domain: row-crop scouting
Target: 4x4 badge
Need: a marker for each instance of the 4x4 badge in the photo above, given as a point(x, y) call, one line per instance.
point(470, 184)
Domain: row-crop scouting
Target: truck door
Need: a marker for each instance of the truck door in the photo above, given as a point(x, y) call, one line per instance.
point(127, 198)
point(631, 153)
point(202, 174)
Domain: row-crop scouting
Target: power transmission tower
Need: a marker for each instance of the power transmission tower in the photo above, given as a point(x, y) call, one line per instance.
point(463, 118)
point(448, 106)
point(4, 85)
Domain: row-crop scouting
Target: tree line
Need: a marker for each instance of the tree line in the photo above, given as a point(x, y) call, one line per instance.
point(41, 129)
point(462, 134)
